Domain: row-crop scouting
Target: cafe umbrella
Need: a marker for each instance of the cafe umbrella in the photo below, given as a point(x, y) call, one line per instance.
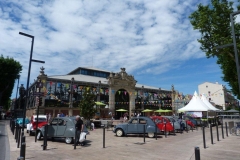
point(147, 110)
point(121, 110)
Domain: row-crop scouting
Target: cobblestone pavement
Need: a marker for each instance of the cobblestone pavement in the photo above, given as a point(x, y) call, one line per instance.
point(179, 147)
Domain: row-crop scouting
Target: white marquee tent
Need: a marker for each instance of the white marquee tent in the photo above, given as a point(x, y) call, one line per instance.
point(196, 104)
point(204, 99)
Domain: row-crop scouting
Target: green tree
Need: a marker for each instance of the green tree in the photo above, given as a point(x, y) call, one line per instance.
point(9, 71)
point(86, 105)
point(213, 22)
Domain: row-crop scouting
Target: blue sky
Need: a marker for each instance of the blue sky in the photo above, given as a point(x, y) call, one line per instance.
point(153, 40)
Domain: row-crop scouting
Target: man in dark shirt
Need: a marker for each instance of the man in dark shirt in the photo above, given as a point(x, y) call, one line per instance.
point(79, 127)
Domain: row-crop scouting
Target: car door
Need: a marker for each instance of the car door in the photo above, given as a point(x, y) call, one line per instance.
point(52, 128)
point(141, 124)
point(132, 126)
point(61, 127)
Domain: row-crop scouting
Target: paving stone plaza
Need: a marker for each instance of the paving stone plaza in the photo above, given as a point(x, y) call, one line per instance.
point(179, 147)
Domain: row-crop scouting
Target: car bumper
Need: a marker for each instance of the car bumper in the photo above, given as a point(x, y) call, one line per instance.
point(114, 130)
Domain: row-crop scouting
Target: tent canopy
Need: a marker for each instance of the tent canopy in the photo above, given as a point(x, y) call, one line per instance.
point(204, 99)
point(195, 105)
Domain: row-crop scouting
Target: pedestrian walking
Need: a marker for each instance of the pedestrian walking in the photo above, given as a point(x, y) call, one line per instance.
point(79, 127)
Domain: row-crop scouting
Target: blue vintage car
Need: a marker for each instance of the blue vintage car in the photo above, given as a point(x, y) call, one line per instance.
point(20, 121)
point(136, 126)
point(61, 127)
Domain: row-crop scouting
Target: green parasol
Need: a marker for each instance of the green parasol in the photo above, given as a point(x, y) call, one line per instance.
point(121, 110)
point(147, 110)
point(100, 104)
point(160, 110)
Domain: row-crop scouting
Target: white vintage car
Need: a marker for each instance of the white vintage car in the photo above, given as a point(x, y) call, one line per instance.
point(32, 126)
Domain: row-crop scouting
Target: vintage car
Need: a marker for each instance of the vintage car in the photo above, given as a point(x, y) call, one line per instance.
point(32, 126)
point(136, 126)
point(179, 124)
point(61, 127)
point(194, 121)
point(163, 123)
point(20, 121)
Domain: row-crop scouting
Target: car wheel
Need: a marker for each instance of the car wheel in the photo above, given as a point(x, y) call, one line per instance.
point(68, 140)
point(150, 134)
point(119, 132)
point(39, 135)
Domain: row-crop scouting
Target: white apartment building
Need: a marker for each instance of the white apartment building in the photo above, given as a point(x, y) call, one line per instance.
point(217, 94)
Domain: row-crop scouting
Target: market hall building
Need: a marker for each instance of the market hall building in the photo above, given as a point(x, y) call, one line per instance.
point(63, 93)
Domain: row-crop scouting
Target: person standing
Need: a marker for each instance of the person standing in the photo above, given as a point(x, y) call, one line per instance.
point(79, 127)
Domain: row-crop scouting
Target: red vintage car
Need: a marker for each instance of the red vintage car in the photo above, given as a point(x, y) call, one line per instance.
point(161, 122)
point(32, 126)
point(189, 123)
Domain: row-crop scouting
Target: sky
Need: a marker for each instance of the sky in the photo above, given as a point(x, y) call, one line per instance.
point(153, 40)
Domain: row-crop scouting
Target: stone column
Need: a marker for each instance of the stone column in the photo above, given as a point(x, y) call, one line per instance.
point(132, 102)
point(112, 93)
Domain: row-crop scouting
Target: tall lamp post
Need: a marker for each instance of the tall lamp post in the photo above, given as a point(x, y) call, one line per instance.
point(234, 44)
point(29, 70)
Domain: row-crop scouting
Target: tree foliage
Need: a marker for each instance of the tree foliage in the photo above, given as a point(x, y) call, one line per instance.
point(213, 22)
point(86, 105)
point(9, 71)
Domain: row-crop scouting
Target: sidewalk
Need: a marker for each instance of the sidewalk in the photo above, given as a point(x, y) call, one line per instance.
point(179, 147)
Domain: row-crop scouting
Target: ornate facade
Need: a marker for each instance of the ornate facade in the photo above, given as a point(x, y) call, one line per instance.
point(119, 90)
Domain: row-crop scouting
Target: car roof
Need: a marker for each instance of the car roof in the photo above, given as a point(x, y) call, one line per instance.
point(41, 116)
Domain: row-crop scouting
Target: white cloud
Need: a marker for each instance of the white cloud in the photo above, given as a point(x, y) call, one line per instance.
point(151, 36)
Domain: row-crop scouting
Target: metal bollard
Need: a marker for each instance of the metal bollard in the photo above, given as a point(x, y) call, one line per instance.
point(144, 131)
point(45, 138)
point(197, 153)
point(222, 129)
point(217, 131)
point(16, 133)
point(186, 126)
point(23, 147)
point(156, 131)
point(201, 124)
point(19, 136)
point(181, 127)
point(75, 141)
point(204, 140)
point(174, 130)
point(103, 136)
point(12, 127)
point(165, 130)
point(226, 129)
point(211, 133)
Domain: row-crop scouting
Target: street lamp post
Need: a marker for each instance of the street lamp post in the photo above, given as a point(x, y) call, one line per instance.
point(235, 46)
point(29, 70)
